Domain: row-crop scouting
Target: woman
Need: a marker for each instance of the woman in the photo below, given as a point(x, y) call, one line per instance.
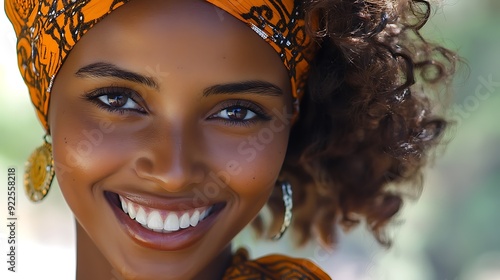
point(172, 124)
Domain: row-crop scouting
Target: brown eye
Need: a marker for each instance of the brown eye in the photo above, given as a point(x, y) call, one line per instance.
point(240, 113)
point(116, 100)
point(119, 101)
point(236, 113)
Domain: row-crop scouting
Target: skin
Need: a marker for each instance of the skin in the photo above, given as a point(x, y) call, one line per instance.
point(167, 142)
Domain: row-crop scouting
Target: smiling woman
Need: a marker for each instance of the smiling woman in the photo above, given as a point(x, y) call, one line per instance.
point(169, 133)
point(249, 101)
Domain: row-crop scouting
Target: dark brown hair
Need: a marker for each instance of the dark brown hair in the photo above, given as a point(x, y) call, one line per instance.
point(367, 124)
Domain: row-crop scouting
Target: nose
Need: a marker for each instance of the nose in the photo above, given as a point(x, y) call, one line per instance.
point(171, 159)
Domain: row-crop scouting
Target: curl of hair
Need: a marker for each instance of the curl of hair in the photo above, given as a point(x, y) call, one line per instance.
point(367, 125)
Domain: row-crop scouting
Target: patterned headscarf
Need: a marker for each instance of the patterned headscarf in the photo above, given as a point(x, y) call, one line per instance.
point(47, 30)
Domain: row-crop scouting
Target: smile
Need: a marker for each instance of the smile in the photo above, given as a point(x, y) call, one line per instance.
point(164, 221)
point(160, 223)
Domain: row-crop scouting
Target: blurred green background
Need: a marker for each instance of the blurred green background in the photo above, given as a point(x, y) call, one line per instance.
point(451, 233)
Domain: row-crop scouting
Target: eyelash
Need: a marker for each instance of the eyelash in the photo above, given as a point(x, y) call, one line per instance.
point(94, 95)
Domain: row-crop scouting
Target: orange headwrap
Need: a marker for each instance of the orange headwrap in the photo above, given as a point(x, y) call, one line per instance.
point(47, 30)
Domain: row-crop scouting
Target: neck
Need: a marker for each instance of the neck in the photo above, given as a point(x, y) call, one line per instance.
point(91, 264)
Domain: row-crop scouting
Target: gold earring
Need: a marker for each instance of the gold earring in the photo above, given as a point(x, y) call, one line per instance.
point(286, 188)
point(39, 172)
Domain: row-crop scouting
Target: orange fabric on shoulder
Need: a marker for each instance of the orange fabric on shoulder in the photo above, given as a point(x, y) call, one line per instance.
point(272, 267)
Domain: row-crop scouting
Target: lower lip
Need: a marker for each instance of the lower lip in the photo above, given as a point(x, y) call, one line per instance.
point(172, 241)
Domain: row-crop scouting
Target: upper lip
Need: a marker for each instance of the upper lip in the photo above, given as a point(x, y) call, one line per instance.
point(167, 203)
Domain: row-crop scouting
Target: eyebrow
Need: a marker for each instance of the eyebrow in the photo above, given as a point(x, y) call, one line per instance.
point(256, 87)
point(103, 69)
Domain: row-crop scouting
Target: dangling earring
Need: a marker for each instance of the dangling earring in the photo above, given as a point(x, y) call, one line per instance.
point(286, 188)
point(39, 172)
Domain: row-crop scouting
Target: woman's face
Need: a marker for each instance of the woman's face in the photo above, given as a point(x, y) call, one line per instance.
point(178, 112)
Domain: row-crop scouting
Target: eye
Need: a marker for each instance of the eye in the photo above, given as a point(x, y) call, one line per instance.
point(116, 99)
point(119, 101)
point(240, 113)
point(236, 113)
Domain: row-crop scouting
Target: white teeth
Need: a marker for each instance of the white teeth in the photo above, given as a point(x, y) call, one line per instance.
point(184, 221)
point(124, 205)
point(195, 218)
point(131, 210)
point(152, 218)
point(141, 216)
point(154, 221)
point(171, 222)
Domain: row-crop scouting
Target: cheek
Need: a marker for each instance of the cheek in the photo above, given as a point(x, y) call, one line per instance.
point(85, 151)
point(79, 139)
point(250, 165)
point(79, 149)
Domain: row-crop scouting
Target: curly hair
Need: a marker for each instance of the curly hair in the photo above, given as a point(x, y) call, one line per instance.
point(367, 124)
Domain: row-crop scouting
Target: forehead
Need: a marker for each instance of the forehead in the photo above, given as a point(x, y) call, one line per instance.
point(193, 36)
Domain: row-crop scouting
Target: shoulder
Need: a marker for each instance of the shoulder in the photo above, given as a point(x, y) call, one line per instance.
point(272, 267)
